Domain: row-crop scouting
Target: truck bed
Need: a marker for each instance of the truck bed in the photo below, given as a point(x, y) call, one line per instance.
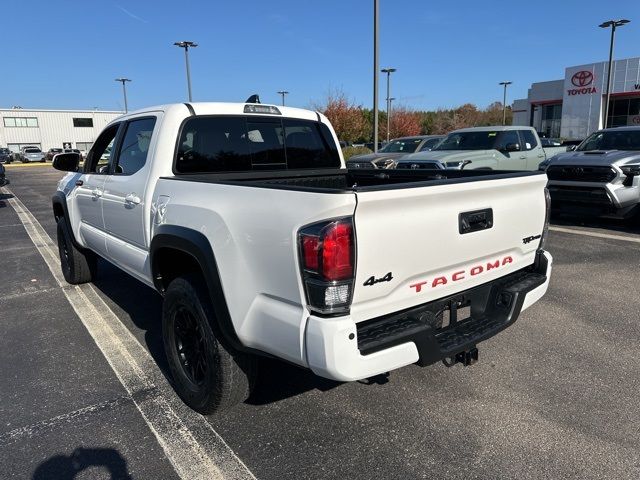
point(340, 181)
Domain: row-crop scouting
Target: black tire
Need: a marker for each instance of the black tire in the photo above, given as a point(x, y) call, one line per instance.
point(207, 376)
point(78, 266)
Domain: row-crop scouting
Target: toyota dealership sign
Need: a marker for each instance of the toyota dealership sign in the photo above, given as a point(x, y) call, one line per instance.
point(583, 81)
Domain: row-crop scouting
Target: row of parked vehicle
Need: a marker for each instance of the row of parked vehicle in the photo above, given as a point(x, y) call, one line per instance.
point(33, 154)
point(494, 148)
point(599, 175)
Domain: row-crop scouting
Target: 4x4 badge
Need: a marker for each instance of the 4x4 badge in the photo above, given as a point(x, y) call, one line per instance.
point(373, 280)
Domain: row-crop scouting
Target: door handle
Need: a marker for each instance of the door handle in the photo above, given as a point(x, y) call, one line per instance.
point(469, 222)
point(523, 157)
point(96, 192)
point(541, 155)
point(132, 198)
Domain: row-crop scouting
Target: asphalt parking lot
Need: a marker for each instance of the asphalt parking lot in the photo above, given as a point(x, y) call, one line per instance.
point(554, 396)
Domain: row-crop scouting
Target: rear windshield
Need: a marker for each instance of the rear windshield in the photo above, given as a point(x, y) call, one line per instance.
point(31, 150)
point(612, 140)
point(240, 144)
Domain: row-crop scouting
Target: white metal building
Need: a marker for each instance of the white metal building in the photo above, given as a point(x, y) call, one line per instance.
point(52, 128)
point(573, 107)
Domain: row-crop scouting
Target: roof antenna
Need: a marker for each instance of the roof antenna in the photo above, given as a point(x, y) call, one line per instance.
point(253, 99)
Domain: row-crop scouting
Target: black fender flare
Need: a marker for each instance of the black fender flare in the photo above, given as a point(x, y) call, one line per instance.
point(60, 200)
point(196, 245)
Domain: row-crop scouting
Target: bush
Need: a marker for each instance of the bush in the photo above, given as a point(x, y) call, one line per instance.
point(349, 152)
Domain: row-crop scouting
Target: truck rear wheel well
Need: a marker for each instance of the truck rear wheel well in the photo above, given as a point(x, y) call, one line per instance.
point(171, 263)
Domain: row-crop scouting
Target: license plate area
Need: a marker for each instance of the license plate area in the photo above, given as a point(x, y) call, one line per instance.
point(450, 314)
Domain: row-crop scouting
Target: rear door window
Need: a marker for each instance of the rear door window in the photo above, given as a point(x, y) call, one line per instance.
point(507, 137)
point(528, 139)
point(220, 144)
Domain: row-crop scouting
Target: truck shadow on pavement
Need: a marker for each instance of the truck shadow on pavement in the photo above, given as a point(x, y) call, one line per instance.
point(68, 467)
point(278, 380)
point(3, 197)
point(142, 304)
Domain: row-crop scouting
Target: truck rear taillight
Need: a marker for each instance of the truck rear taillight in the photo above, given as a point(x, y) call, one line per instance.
point(327, 255)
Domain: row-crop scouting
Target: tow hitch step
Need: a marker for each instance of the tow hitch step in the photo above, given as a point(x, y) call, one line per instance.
point(466, 358)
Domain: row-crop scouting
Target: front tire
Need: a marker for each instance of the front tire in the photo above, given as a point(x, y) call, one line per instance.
point(207, 376)
point(78, 266)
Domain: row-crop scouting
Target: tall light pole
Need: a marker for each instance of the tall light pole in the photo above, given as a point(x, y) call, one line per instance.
point(504, 102)
point(388, 71)
point(283, 93)
point(391, 99)
point(375, 74)
point(124, 92)
point(186, 45)
point(613, 24)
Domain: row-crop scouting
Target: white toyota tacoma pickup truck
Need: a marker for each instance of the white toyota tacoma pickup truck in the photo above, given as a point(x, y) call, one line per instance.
point(245, 219)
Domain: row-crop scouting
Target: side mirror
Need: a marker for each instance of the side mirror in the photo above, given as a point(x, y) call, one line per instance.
point(571, 148)
point(66, 162)
point(512, 147)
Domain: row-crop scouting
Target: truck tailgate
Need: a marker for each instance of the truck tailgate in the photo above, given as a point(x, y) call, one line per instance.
point(410, 249)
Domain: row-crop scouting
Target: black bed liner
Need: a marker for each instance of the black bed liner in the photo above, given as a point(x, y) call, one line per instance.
point(343, 180)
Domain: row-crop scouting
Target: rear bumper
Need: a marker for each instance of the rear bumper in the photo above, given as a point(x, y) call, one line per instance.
point(339, 349)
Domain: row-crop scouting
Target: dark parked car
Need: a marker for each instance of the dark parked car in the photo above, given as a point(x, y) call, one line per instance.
point(396, 148)
point(51, 153)
point(5, 155)
point(571, 144)
point(74, 150)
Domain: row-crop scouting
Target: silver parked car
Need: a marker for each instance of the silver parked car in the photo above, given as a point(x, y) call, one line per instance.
point(396, 148)
point(31, 154)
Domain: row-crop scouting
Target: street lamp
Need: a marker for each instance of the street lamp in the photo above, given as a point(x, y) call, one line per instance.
point(375, 74)
point(613, 24)
point(283, 93)
point(388, 71)
point(391, 99)
point(504, 102)
point(186, 45)
point(124, 92)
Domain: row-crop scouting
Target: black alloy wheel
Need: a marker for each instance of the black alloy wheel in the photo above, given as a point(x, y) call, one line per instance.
point(190, 346)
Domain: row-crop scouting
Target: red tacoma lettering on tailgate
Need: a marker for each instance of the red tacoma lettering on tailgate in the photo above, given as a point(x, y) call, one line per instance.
point(457, 276)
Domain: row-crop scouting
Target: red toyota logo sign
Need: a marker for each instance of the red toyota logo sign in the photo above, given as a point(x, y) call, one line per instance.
point(582, 78)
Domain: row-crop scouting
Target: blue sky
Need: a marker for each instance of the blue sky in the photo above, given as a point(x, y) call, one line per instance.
point(65, 54)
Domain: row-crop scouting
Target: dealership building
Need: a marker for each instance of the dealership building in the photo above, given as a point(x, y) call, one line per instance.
point(21, 127)
point(573, 107)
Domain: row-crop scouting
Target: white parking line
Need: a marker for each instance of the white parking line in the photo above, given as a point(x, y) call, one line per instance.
point(193, 447)
point(595, 234)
